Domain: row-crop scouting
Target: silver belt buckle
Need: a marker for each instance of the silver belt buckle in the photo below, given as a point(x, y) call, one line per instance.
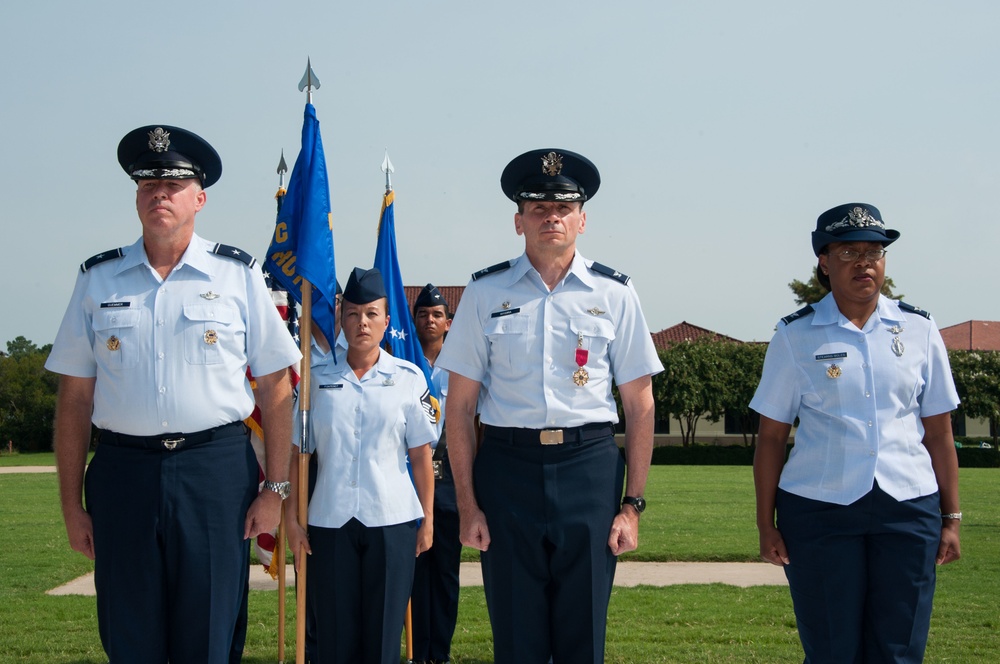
point(171, 443)
point(550, 437)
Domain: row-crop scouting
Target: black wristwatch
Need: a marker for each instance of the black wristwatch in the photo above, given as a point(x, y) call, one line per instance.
point(638, 503)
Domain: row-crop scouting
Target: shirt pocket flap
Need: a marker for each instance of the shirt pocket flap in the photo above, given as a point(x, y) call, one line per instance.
point(508, 325)
point(209, 313)
point(592, 327)
point(115, 318)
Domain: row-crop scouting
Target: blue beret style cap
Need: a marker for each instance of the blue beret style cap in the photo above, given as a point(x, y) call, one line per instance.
point(851, 222)
point(430, 296)
point(550, 174)
point(364, 286)
point(162, 152)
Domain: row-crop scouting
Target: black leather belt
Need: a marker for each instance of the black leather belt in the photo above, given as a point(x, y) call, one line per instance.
point(172, 441)
point(534, 437)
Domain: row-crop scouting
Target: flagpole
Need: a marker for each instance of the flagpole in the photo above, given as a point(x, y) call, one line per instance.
point(308, 82)
point(305, 344)
point(280, 544)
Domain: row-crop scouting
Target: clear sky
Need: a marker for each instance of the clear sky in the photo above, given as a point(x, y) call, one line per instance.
point(721, 129)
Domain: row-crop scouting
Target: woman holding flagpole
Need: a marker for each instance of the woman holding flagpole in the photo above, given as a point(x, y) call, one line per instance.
point(367, 521)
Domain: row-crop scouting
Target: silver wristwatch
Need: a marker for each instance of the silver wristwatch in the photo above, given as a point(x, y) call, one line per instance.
point(283, 489)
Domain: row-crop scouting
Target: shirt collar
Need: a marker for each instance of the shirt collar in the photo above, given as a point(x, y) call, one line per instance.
point(827, 312)
point(579, 269)
point(196, 256)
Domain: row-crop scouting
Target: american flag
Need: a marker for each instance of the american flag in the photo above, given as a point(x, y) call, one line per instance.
point(265, 543)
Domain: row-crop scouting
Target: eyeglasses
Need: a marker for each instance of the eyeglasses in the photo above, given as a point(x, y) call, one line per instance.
point(849, 255)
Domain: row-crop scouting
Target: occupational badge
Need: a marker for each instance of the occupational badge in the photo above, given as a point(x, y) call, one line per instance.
point(895, 329)
point(211, 337)
point(595, 311)
point(897, 347)
point(113, 343)
point(552, 164)
point(833, 371)
point(210, 295)
point(505, 305)
point(388, 382)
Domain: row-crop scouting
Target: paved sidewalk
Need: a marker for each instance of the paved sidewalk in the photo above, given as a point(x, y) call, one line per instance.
point(5, 470)
point(629, 574)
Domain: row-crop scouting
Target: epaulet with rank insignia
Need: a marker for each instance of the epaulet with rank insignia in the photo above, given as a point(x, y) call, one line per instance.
point(801, 313)
point(610, 272)
point(97, 259)
point(233, 252)
point(913, 310)
point(492, 269)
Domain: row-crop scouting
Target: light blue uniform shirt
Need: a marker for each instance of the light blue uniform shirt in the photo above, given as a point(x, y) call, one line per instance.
point(439, 378)
point(170, 355)
point(859, 403)
point(519, 340)
point(361, 430)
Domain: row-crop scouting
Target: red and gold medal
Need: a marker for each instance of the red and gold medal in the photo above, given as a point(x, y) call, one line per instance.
point(580, 376)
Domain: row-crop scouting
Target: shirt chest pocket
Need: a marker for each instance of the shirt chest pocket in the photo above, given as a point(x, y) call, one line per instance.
point(509, 337)
point(592, 334)
point(116, 336)
point(208, 329)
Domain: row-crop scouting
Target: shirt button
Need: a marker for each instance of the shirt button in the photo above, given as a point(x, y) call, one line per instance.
point(163, 390)
point(869, 423)
point(353, 483)
point(114, 319)
point(867, 394)
point(354, 459)
point(357, 433)
point(550, 328)
point(160, 355)
point(159, 322)
point(864, 365)
point(871, 452)
point(163, 423)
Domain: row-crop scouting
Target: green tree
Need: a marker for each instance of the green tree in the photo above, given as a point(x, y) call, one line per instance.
point(27, 396)
point(746, 361)
point(693, 384)
point(977, 379)
point(811, 291)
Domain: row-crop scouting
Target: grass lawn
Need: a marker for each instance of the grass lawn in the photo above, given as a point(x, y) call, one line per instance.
point(695, 513)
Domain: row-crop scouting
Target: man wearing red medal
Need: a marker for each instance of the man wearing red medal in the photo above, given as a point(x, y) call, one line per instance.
point(536, 344)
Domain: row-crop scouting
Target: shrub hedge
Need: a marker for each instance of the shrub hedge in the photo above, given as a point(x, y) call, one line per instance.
point(740, 455)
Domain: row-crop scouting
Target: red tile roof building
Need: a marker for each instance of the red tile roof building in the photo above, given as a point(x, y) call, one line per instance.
point(972, 335)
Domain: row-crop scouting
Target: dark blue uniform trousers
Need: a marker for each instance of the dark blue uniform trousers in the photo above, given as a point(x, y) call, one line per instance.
point(171, 563)
point(548, 571)
point(357, 587)
point(434, 599)
point(862, 575)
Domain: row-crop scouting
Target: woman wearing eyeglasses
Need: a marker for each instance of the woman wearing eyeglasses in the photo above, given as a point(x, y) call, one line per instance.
point(867, 501)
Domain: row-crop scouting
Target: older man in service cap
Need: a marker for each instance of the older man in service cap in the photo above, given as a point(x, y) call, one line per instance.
point(153, 350)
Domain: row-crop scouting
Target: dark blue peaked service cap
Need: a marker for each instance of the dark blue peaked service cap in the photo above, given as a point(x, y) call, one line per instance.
point(162, 152)
point(851, 222)
point(550, 174)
